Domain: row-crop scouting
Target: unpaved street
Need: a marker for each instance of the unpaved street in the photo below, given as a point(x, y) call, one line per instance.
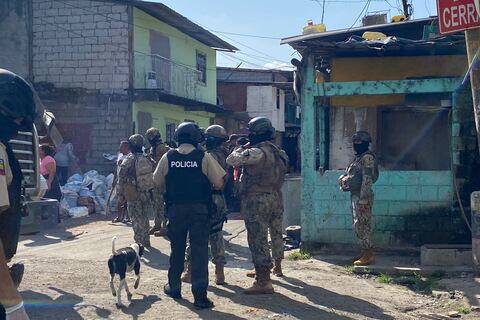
point(67, 278)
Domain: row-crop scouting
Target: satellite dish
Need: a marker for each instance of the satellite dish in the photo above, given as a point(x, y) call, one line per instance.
point(477, 6)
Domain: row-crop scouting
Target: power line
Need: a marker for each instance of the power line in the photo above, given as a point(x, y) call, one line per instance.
point(365, 9)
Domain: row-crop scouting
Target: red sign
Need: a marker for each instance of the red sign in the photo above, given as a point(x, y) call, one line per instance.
point(458, 15)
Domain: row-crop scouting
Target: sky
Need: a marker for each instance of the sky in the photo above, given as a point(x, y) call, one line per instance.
point(275, 19)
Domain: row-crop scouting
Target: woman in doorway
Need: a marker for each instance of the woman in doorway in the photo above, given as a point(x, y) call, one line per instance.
point(48, 171)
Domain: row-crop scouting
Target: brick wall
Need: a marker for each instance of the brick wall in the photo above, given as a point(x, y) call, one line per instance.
point(81, 44)
point(411, 208)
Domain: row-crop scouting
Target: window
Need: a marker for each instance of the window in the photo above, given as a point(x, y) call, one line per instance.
point(170, 131)
point(202, 67)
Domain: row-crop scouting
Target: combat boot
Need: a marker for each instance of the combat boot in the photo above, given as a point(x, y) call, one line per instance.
point(154, 229)
point(219, 273)
point(187, 275)
point(366, 259)
point(162, 232)
point(262, 284)
point(251, 273)
point(277, 268)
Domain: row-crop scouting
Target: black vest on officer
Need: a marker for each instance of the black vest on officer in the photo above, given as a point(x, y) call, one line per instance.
point(185, 181)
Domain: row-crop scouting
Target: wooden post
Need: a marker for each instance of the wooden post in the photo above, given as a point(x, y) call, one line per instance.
point(472, 38)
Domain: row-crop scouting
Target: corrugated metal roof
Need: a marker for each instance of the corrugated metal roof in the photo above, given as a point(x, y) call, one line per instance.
point(252, 75)
point(412, 29)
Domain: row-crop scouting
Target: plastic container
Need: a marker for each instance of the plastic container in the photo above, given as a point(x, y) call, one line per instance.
point(314, 28)
point(42, 214)
point(78, 212)
point(370, 35)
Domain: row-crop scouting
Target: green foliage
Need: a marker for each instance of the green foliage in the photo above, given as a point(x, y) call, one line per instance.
point(464, 310)
point(385, 278)
point(350, 268)
point(299, 255)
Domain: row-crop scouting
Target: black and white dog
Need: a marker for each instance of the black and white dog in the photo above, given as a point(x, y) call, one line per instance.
point(122, 261)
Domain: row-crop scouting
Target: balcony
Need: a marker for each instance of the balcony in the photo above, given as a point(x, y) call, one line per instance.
point(157, 73)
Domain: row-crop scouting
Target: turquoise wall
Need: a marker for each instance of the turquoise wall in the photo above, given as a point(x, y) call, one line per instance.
point(183, 50)
point(406, 203)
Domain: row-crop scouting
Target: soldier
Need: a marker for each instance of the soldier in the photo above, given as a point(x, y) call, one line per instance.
point(264, 167)
point(136, 184)
point(215, 137)
point(157, 150)
point(17, 112)
point(361, 174)
point(188, 174)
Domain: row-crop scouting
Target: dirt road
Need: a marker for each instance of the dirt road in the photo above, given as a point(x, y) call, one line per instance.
point(67, 278)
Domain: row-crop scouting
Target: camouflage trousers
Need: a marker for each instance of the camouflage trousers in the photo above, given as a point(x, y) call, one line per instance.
point(159, 208)
point(138, 211)
point(263, 214)
point(362, 221)
point(217, 246)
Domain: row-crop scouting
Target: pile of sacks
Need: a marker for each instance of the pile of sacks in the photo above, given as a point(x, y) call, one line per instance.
point(86, 194)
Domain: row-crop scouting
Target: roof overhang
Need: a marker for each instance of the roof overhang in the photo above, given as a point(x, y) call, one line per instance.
point(158, 95)
point(176, 20)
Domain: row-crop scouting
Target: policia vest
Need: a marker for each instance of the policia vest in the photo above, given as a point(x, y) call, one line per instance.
point(185, 181)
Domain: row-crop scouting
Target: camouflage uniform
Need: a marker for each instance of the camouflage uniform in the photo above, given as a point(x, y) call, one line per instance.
point(139, 205)
point(261, 203)
point(158, 201)
point(361, 174)
point(139, 214)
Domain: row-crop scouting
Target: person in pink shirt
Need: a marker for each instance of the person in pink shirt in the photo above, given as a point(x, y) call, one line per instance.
point(48, 171)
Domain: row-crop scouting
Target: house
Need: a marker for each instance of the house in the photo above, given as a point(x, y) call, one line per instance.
point(406, 90)
point(248, 93)
point(109, 68)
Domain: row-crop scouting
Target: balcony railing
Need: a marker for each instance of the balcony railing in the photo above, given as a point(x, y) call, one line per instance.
point(157, 72)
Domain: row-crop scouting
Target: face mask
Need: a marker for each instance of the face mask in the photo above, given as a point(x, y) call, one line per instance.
point(8, 129)
point(360, 148)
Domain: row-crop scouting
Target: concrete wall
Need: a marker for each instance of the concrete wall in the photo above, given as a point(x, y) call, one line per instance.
point(164, 113)
point(15, 36)
point(292, 201)
point(411, 208)
point(81, 44)
point(262, 101)
point(94, 122)
point(233, 95)
point(183, 51)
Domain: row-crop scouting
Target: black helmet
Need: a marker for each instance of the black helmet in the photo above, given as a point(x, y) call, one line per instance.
point(17, 99)
point(136, 142)
point(261, 126)
point(363, 136)
point(188, 132)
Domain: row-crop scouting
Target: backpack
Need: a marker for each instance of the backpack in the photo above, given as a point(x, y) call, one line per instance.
point(144, 167)
point(281, 166)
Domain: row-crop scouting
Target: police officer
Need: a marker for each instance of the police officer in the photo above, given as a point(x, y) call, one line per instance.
point(215, 137)
point(187, 175)
point(156, 152)
point(17, 112)
point(361, 174)
point(136, 184)
point(264, 167)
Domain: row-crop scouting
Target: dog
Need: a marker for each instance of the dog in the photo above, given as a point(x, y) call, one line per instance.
point(120, 262)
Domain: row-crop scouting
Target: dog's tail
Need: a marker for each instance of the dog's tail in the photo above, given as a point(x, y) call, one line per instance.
point(113, 244)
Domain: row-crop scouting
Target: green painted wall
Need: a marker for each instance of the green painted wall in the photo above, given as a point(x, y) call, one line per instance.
point(410, 208)
point(163, 113)
point(183, 50)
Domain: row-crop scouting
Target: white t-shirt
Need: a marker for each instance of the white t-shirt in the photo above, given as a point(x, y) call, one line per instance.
point(120, 158)
point(5, 178)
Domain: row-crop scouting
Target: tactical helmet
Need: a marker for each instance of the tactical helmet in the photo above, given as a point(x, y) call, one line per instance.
point(216, 131)
point(261, 126)
point(17, 99)
point(363, 136)
point(136, 142)
point(153, 134)
point(188, 132)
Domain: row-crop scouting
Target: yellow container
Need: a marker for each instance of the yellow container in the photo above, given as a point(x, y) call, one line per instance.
point(369, 35)
point(316, 28)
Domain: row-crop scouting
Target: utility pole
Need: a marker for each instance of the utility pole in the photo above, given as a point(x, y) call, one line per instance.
point(406, 9)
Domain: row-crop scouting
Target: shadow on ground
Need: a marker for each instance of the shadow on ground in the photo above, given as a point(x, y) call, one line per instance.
point(209, 313)
point(155, 259)
point(137, 307)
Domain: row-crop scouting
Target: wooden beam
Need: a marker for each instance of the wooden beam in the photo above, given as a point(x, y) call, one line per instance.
point(354, 88)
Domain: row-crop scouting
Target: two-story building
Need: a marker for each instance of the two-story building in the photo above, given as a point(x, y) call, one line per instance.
point(109, 68)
